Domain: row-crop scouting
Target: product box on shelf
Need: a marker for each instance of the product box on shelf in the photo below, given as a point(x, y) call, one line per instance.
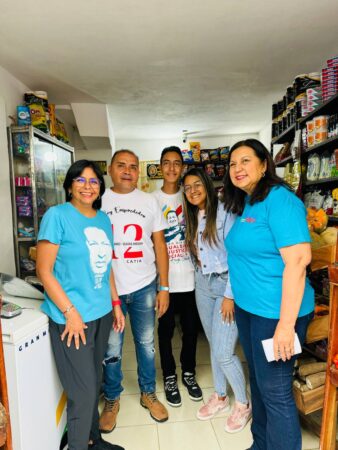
point(205, 157)
point(214, 154)
point(210, 170)
point(187, 155)
point(22, 181)
point(23, 115)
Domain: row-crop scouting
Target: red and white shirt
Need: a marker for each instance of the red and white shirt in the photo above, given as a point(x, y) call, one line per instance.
point(134, 217)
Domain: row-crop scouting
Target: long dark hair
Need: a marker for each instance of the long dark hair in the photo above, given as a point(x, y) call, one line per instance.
point(233, 197)
point(191, 212)
point(75, 170)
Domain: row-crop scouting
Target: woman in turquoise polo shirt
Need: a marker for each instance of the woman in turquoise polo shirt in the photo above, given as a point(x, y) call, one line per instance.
point(74, 264)
point(268, 251)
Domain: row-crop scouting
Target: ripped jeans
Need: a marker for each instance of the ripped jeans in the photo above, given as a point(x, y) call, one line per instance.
point(140, 305)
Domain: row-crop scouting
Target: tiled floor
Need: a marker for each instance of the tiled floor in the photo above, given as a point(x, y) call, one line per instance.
point(137, 431)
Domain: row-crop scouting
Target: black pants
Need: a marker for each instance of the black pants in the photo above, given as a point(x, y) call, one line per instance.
point(80, 372)
point(183, 303)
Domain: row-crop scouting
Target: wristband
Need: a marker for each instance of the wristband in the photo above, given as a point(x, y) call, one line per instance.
point(164, 288)
point(66, 311)
point(116, 302)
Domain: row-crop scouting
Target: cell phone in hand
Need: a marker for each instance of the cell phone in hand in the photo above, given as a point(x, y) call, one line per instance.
point(268, 348)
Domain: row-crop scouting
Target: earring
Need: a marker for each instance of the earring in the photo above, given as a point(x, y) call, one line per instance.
point(99, 197)
point(263, 174)
point(70, 194)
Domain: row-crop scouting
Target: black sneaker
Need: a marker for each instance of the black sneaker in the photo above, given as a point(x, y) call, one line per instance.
point(194, 391)
point(172, 393)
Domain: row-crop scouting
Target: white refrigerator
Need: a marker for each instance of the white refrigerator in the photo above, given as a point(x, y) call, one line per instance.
point(36, 399)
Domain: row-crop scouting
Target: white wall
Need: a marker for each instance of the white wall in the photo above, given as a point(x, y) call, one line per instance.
point(11, 95)
point(150, 149)
point(265, 135)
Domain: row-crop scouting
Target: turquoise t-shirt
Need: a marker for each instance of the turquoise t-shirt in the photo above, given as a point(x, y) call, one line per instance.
point(255, 263)
point(83, 262)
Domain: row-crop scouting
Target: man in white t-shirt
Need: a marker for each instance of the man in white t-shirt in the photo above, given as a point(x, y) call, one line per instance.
point(181, 284)
point(139, 253)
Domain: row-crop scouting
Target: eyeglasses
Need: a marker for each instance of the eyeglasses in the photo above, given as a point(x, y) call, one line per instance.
point(93, 182)
point(197, 185)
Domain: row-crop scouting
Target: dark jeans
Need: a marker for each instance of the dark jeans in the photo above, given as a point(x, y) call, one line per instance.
point(275, 422)
point(184, 304)
point(80, 372)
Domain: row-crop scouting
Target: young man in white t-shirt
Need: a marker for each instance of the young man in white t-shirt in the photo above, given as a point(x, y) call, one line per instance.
point(181, 284)
point(139, 253)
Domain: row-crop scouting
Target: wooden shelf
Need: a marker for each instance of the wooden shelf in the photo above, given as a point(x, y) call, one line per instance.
point(328, 107)
point(322, 181)
point(287, 136)
point(284, 161)
point(329, 144)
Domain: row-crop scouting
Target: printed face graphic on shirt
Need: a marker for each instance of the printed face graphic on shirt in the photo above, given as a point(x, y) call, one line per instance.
point(100, 252)
point(172, 219)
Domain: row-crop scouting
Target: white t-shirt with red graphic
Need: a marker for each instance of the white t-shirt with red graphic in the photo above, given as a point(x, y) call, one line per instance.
point(134, 217)
point(181, 270)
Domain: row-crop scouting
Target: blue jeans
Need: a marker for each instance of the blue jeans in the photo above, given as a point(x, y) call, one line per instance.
point(226, 366)
point(275, 422)
point(141, 308)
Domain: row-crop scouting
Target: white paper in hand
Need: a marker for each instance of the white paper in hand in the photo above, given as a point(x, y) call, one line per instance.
point(268, 348)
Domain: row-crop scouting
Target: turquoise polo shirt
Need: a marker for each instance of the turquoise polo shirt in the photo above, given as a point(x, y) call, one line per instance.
point(255, 263)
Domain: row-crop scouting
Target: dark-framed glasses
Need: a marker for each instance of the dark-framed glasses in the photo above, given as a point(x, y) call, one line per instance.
point(93, 182)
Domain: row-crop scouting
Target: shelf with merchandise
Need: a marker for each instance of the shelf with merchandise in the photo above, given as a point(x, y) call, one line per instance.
point(37, 161)
point(332, 180)
point(328, 144)
point(284, 161)
point(287, 135)
point(328, 107)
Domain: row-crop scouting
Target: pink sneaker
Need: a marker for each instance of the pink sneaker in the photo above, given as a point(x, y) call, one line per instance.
point(239, 417)
point(213, 407)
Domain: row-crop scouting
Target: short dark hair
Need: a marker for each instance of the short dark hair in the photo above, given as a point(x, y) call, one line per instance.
point(173, 149)
point(124, 150)
point(75, 170)
point(233, 197)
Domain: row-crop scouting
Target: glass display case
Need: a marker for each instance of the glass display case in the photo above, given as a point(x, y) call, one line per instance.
point(38, 164)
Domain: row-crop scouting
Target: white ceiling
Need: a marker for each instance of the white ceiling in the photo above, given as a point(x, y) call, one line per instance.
point(163, 66)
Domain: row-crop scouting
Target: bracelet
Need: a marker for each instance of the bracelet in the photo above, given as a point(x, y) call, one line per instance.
point(116, 302)
point(66, 311)
point(164, 288)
